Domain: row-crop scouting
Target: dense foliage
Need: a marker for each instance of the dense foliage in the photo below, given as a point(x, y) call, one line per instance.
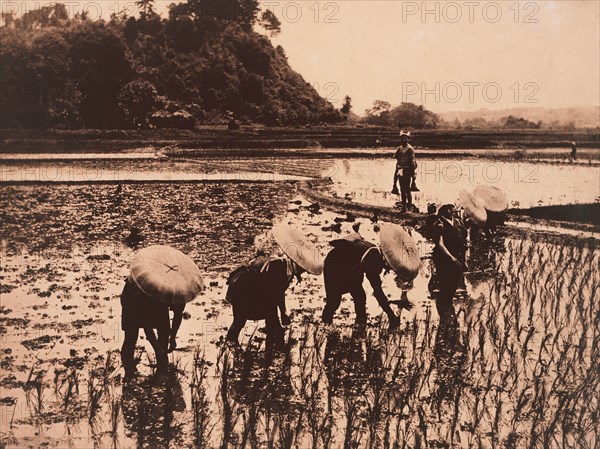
point(407, 115)
point(199, 65)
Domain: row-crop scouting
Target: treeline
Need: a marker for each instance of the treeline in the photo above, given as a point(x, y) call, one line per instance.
point(190, 68)
point(508, 122)
point(412, 116)
point(407, 115)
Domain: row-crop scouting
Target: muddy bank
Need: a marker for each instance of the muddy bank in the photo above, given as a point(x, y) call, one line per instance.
point(578, 213)
point(584, 218)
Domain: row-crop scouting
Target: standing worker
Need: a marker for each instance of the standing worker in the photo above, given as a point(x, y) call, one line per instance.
point(573, 151)
point(405, 171)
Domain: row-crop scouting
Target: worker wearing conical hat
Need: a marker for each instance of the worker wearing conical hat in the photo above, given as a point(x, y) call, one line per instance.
point(351, 259)
point(161, 278)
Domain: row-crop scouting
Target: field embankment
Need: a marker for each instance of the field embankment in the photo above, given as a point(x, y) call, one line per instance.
point(257, 138)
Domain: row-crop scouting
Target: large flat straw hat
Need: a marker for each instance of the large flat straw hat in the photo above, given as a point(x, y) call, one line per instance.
point(297, 247)
point(400, 250)
point(166, 274)
point(494, 199)
point(474, 207)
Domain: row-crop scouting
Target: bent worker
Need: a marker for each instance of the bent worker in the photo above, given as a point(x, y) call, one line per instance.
point(405, 171)
point(351, 259)
point(449, 253)
point(140, 311)
point(257, 290)
point(161, 278)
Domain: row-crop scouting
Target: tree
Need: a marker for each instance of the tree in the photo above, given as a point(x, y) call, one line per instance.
point(379, 107)
point(146, 7)
point(346, 106)
point(409, 115)
point(243, 12)
point(512, 122)
point(8, 17)
point(270, 22)
point(139, 99)
point(45, 16)
point(121, 72)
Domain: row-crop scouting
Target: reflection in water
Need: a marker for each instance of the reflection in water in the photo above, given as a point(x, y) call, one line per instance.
point(256, 389)
point(450, 354)
point(484, 260)
point(261, 380)
point(527, 185)
point(531, 340)
point(150, 408)
point(345, 361)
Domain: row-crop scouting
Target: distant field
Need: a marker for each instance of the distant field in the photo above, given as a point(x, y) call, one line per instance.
point(257, 138)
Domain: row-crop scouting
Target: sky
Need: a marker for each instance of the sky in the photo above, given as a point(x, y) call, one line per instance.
point(446, 55)
point(449, 55)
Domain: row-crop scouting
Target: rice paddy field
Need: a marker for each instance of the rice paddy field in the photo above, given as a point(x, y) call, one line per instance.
point(515, 364)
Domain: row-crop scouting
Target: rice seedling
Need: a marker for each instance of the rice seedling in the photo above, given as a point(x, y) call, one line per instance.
point(202, 420)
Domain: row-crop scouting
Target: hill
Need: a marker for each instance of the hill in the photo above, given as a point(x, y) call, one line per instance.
point(189, 68)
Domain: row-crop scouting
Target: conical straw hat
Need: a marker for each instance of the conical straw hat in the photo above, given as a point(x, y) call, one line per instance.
point(494, 199)
point(400, 250)
point(297, 247)
point(474, 207)
point(166, 274)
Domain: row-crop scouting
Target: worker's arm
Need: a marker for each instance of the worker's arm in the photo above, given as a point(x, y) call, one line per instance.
point(411, 160)
point(285, 319)
point(372, 271)
point(177, 317)
point(445, 251)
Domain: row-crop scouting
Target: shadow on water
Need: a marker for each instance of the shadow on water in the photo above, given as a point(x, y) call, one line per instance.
point(450, 353)
point(150, 406)
point(256, 395)
point(483, 258)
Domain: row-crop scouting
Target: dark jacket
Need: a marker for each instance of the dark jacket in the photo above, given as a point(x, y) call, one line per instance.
point(255, 288)
point(455, 239)
point(350, 259)
point(141, 311)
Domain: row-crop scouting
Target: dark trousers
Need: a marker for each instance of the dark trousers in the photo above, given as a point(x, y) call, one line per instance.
point(128, 348)
point(160, 346)
point(405, 192)
point(449, 277)
point(333, 299)
point(274, 330)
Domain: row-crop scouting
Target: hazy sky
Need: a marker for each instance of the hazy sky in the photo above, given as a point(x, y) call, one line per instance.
point(461, 55)
point(449, 55)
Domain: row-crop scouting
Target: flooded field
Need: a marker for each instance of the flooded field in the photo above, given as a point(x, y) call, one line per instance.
point(366, 181)
point(514, 365)
point(527, 185)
